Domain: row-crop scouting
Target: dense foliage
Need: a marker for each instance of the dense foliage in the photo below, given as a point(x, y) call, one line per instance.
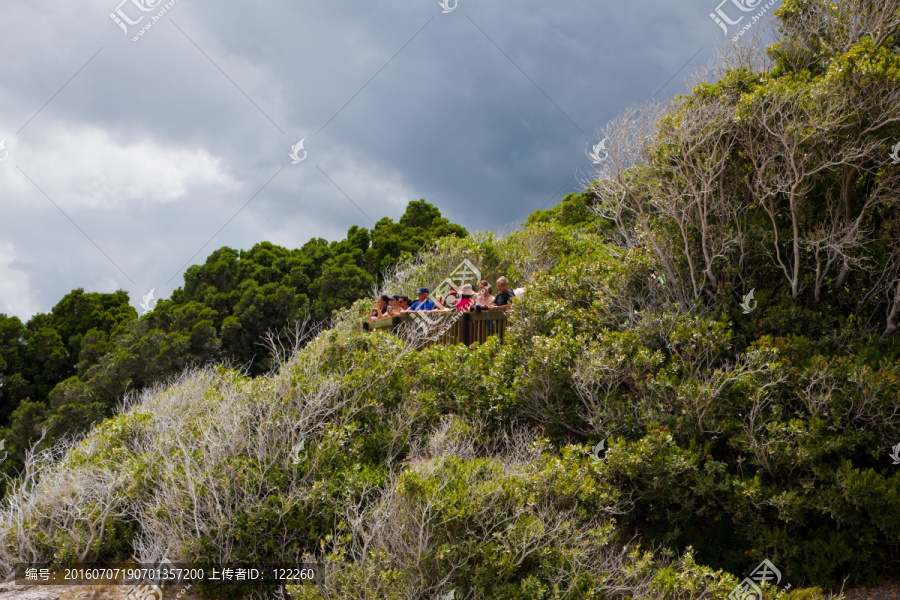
point(729, 435)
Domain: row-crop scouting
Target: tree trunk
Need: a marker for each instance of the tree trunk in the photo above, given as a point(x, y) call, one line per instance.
point(842, 277)
point(795, 226)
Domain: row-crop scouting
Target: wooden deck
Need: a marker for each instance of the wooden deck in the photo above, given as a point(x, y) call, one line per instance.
point(467, 328)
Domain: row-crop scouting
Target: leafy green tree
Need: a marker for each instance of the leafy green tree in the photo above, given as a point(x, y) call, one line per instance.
point(47, 361)
point(418, 228)
point(341, 283)
point(260, 308)
point(79, 312)
point(26, 424)
point(13, 386)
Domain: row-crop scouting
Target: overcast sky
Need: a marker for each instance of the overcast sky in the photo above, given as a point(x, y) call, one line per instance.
point(125, 161)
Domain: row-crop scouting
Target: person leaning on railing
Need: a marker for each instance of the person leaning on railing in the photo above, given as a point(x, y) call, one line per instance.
point(504, 294)
point(423, 303)
point(484, 298)
point(382, 306)
point(440, 304)
point(465, 303)
point(394, 308)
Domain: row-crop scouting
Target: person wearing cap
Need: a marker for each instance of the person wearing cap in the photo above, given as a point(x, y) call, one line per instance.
point(424, 302)
point(394, 308)
point(465, 303)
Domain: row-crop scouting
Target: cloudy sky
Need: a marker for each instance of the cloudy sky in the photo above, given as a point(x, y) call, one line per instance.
point(125, 161)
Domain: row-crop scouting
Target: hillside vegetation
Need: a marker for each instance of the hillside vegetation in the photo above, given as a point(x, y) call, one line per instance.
point(732, 435)
point(67, 369)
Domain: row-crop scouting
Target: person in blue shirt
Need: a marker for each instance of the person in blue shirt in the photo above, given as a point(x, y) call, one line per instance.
point(424, 302)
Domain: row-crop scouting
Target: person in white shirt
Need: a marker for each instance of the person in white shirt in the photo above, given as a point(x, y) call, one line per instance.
point(484, 297)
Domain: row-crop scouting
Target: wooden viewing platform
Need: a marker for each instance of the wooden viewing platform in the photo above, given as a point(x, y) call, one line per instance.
point(469, 327)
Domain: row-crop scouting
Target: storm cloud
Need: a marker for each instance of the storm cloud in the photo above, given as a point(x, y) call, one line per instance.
point(129, 160)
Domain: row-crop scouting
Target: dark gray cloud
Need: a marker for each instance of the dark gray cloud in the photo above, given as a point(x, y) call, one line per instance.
point(136, 154)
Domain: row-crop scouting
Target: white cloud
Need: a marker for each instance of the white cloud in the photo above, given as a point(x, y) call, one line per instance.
point(378, 189)
point(87, 168)
point(15, 289)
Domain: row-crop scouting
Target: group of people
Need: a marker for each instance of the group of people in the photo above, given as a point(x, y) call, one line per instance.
point(467, 300)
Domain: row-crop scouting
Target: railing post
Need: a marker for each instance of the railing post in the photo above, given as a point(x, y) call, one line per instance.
point(395, 324)
point(464, 328)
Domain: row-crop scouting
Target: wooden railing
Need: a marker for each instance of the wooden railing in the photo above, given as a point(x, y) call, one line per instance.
point(467, 328)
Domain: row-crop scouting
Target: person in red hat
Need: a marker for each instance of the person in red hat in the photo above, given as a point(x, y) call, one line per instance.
point(466, 303)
